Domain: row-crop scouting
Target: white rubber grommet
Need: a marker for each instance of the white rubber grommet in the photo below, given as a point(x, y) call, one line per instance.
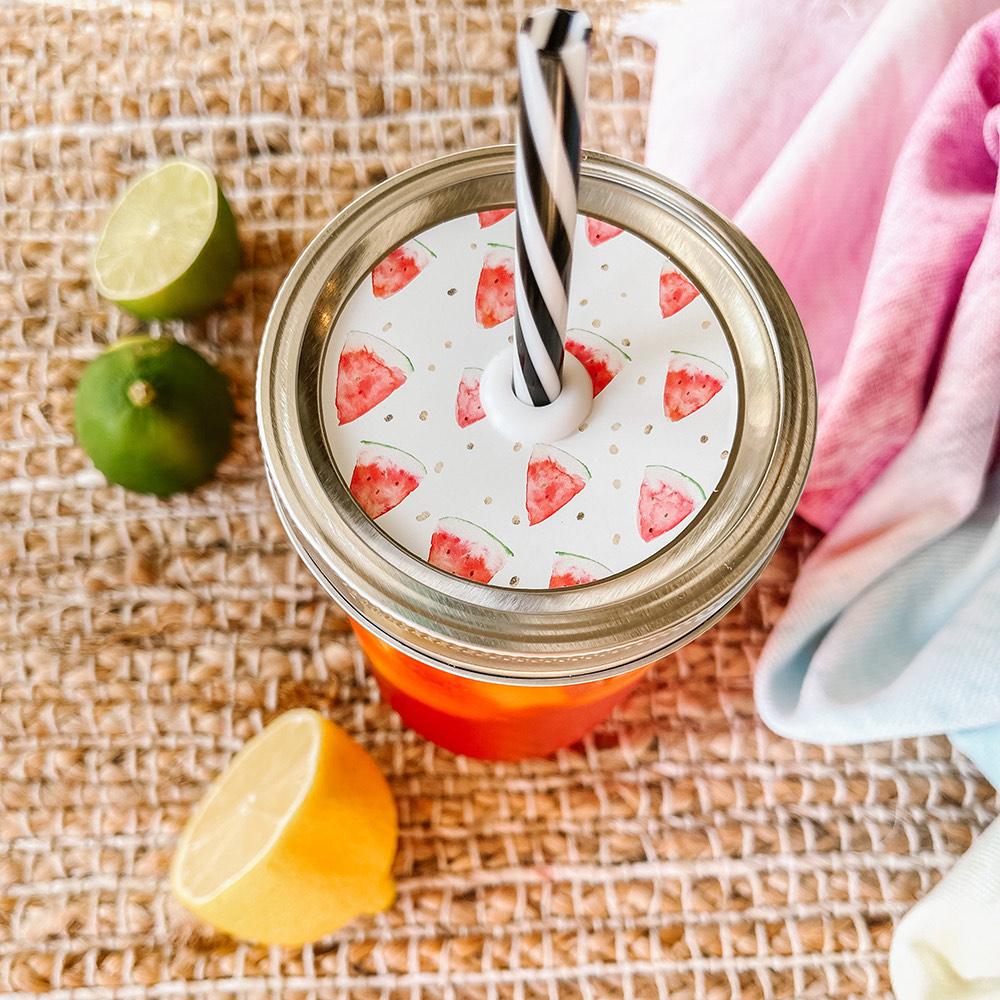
point(532, 424)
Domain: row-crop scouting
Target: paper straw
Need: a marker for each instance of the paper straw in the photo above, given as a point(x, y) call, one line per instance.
point(552, 50)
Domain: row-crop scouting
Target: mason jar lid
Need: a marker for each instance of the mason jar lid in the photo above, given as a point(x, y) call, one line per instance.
point(521, 636)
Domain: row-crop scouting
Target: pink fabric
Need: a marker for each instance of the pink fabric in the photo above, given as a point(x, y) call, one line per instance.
point(869, 192)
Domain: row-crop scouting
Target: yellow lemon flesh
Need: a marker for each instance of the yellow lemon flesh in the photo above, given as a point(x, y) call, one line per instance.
point(169, 248)
point(293, 840)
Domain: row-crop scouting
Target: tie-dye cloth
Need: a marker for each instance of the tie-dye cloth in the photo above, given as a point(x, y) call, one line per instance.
point(857, 145)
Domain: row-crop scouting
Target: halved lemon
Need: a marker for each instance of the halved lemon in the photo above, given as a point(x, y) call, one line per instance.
point(169, 248)
point(293, 840)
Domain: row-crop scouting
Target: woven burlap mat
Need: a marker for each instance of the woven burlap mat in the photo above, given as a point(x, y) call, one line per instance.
point(682, 852)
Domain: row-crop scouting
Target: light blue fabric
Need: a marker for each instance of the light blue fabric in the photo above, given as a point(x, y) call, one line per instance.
point(884, 649)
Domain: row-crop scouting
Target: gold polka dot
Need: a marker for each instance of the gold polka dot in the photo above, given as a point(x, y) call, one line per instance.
point(616, 426)
point(615, 539)
point(432, 367)
point(583, 302)
point(641, 380)
point(473, 246)
point(724, 455)
point(583, 426)
point(423, 414)
point(447, 344)
point(387, 417)
point(510, 338)
point(704, 439)
point(705, 324)
point(624, 295)
point(648, 429)
point(626, 342)
point(604, 267)
point(387, 328)
point(515, 520)
point(452, 291)
point(617, 484)
point(470, 446)
point(596, 324)
point(613, 449)
point(515, 580)
point(423, 515)
point(518, 446)
point(439, 466)
point(487, 500)
point(579, 516)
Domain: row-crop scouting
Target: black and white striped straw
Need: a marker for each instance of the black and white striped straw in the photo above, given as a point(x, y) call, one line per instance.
point(552, 51)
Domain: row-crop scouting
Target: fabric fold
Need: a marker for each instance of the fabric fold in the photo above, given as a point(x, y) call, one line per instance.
point(873, 192)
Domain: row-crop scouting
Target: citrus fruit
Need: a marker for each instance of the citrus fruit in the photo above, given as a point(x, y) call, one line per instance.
point(153, 415)
point(169, 247)
point(293, 840)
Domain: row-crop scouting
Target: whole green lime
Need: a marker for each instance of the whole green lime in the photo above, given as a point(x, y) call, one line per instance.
point(153, 415)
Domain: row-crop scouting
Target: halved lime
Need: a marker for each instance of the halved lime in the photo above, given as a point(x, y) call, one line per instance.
point(169, 248)
point(153, 415)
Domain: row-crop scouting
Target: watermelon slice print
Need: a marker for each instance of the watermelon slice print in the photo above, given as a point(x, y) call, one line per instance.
point(675, 291)
point(599, 232)
point(691, 382)
point(602, 359)
point(369, 370)
point(554, 478)
point(468, 408)
point(571, 570)
point(495, 291)
point(397, 270)
point(666, 497)
point(384, 477)
point(493, 216)
point(464, 549)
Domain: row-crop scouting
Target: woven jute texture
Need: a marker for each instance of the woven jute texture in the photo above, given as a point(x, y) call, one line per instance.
point(683, 851)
